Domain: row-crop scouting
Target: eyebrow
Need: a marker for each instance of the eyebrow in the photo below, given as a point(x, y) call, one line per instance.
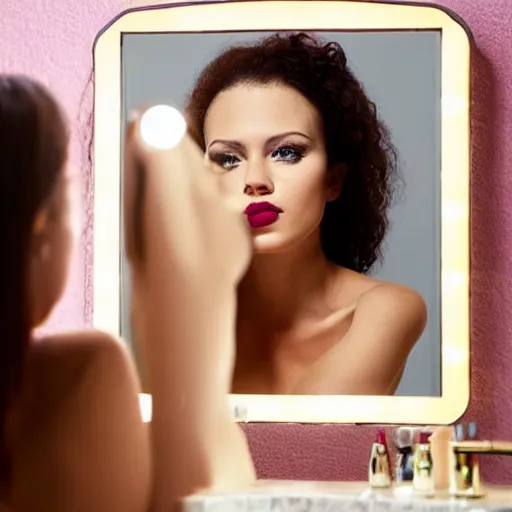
point(233, 144)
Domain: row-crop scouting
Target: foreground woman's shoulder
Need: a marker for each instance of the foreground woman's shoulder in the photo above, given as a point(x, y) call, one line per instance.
point(59, 365)
point(87, 344)
point(74, 354)
point(78, 442)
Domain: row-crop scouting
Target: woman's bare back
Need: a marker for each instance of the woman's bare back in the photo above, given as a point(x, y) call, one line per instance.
point(75, 435)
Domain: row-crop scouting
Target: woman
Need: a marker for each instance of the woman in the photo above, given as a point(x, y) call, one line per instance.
point(299, 145)
point(71, 433)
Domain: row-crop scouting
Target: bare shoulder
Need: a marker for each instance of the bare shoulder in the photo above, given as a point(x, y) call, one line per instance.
point(77, 441)
point(384, 302)
point(73, 348)
point(59, 366)
point(72, 354)
point(80, 340)
point(392, 310)
point(391, 297)
point(386, 321)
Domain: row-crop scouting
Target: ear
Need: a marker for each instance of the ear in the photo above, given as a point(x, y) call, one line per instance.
point(335, 179)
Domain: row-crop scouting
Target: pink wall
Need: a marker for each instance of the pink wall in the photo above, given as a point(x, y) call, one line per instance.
point(52, 40)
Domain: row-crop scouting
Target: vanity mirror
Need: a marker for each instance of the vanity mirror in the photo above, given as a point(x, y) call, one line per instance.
point(413, 62)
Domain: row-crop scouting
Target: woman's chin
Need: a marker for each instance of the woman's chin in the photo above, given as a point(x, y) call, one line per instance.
point(269, 243)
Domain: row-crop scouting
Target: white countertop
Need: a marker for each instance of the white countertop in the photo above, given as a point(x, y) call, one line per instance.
point(302, 496)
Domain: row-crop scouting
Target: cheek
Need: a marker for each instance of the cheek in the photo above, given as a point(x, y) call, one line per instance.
point(64, 242)
point(305, 200)
point(306, 187)
point(232, 185)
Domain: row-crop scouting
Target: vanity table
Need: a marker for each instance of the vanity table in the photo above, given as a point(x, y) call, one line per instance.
point(302, 496)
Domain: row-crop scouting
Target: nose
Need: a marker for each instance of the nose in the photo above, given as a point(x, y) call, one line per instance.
point(257, 181)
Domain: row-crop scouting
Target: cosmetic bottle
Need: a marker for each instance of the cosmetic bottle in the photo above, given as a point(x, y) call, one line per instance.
point(440, 451)
point(460, 434)
point(379, 469)
point(423, 474)
point(404, 450)
point(472, 431)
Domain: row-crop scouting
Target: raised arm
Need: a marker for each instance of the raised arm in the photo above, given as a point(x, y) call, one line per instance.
point(187, 251)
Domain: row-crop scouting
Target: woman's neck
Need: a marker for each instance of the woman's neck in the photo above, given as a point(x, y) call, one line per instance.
point(282, 288)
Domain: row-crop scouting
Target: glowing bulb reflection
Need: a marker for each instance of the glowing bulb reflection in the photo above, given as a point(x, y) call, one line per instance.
point(162, 127)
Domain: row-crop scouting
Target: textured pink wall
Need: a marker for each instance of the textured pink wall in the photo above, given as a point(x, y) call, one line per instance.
point(52, 40)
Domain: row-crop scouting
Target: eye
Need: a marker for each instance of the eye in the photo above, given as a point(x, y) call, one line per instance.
point(288, 154)
point(227, 161)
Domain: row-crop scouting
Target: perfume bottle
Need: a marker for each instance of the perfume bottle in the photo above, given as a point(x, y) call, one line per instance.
point(441, 455)
point(404, 448)
point(423, 475)
point(379, 469)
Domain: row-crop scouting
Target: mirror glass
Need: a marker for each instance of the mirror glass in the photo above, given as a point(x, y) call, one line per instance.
point(401, 73)
point(393, 313)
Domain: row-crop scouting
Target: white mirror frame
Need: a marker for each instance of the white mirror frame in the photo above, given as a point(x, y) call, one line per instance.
point(306, 15)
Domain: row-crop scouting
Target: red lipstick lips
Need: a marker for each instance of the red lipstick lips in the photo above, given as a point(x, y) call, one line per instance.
point(262, 214)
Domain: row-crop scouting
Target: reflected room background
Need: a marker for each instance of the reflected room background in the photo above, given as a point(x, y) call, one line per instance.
point(401, 73)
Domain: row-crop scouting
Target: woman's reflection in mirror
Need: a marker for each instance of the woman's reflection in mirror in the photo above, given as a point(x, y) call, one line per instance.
point(297, 143)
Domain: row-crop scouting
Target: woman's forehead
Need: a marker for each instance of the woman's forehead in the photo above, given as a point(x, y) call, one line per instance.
point(247, 109)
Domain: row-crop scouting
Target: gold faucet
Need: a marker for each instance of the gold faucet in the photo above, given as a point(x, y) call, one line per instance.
point(465, 481)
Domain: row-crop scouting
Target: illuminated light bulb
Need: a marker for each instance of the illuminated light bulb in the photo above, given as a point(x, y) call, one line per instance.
point(454, 211)
point(453, 104)
point(454, 355)
point(162, 127)
point(453, 278)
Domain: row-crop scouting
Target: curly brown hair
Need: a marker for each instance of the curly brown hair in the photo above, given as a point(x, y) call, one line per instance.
point(357, 142)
